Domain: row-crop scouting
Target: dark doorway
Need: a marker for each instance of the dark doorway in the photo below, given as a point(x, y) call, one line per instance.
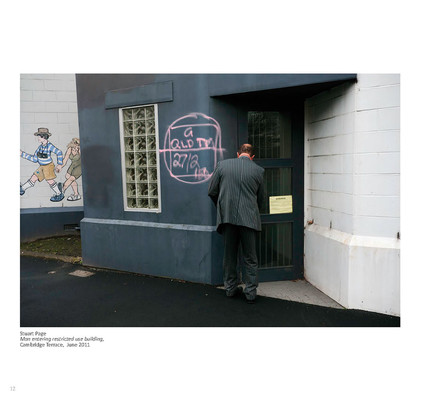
point(276, 129)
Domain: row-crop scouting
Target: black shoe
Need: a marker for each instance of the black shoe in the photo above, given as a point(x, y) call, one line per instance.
point(236, 292)
point(250, 300)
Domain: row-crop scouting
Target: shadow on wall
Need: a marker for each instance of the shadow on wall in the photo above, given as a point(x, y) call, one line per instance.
point(98, 175)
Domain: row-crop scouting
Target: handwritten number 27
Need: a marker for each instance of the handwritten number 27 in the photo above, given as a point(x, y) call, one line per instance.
point(180, 160)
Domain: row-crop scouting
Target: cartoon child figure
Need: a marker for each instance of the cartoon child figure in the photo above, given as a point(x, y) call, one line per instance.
point(42, 156)
point(74, 171)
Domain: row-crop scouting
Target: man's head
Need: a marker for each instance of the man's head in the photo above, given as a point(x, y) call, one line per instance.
point(246, 149)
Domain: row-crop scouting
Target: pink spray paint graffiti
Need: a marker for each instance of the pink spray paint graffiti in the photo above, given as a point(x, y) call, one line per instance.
point(192, 148)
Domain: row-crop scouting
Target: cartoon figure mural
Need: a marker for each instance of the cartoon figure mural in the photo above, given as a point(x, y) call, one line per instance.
point(42, 156)
point(74, 171)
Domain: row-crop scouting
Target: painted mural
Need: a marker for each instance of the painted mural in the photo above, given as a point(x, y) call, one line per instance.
point(74, 172)
point(192, 148)
point(43, 156)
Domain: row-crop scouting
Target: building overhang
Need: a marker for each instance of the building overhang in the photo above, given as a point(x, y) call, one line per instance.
point(297, 85)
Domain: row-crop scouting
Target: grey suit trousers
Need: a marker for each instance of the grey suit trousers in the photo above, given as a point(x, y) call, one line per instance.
point(234, 236)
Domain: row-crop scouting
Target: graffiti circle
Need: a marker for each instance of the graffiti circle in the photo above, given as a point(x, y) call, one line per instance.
point(192, 148)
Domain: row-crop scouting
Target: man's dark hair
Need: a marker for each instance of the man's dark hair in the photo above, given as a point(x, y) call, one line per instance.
point(246, 148)
point(44, 135)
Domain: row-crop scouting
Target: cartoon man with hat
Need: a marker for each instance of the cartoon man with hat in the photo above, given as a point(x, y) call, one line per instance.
point(42, 156)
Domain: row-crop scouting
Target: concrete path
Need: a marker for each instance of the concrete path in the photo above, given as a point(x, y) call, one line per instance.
point(299, 291)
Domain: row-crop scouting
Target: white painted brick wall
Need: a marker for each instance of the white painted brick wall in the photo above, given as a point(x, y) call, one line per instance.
point(373, 80)
point(377, 206)
point(353, 156)
point(377, 97)
point(377, 184)
point(377, 119)
point(377, 163)
point(352, 191)
point(377, 141)
point(329, 126)
point(47, 100)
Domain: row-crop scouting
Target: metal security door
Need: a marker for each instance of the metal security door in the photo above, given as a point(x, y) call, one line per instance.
point(278, 138)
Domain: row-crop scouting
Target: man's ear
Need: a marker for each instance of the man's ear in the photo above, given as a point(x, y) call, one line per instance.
point(252, 156)
point(238, 155)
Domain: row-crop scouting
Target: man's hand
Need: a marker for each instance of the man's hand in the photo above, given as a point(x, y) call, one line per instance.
point(58, 168)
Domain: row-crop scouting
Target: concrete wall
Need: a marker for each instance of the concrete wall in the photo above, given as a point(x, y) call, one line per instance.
point(154, 242)
point(377, 156)
point(48, 101)
point(179, 240)
point(352, 193)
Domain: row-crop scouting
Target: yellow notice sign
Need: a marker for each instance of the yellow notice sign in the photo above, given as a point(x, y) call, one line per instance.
point(280, 204)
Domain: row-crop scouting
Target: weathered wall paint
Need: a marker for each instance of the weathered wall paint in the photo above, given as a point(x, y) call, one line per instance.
point(110, 235)
point(192, 148)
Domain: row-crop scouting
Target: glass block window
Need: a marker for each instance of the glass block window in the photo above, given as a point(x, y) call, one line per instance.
point(139, 142)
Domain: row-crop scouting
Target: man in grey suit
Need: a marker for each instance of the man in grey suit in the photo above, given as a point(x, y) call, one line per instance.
point(236, 188)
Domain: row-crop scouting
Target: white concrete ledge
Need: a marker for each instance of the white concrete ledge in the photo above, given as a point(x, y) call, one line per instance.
point(355, 240)
point(360, 272)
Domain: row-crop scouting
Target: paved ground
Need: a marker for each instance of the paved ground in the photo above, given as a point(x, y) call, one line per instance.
point(299, 290)
point(55, 293)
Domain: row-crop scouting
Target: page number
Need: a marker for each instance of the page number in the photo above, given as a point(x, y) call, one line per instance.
point(12, 388)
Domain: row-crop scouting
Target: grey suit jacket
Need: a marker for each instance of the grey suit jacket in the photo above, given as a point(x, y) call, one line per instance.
point(236, 188)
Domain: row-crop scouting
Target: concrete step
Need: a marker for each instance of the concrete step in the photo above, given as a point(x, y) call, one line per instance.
point(300, 291)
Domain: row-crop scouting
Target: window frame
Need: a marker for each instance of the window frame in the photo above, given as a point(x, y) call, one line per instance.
point(123, 160)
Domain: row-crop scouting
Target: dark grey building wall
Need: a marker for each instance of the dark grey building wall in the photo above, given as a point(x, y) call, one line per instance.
point(42, 223)
point(157, 243)
point(176, 251)
point(101, 158)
